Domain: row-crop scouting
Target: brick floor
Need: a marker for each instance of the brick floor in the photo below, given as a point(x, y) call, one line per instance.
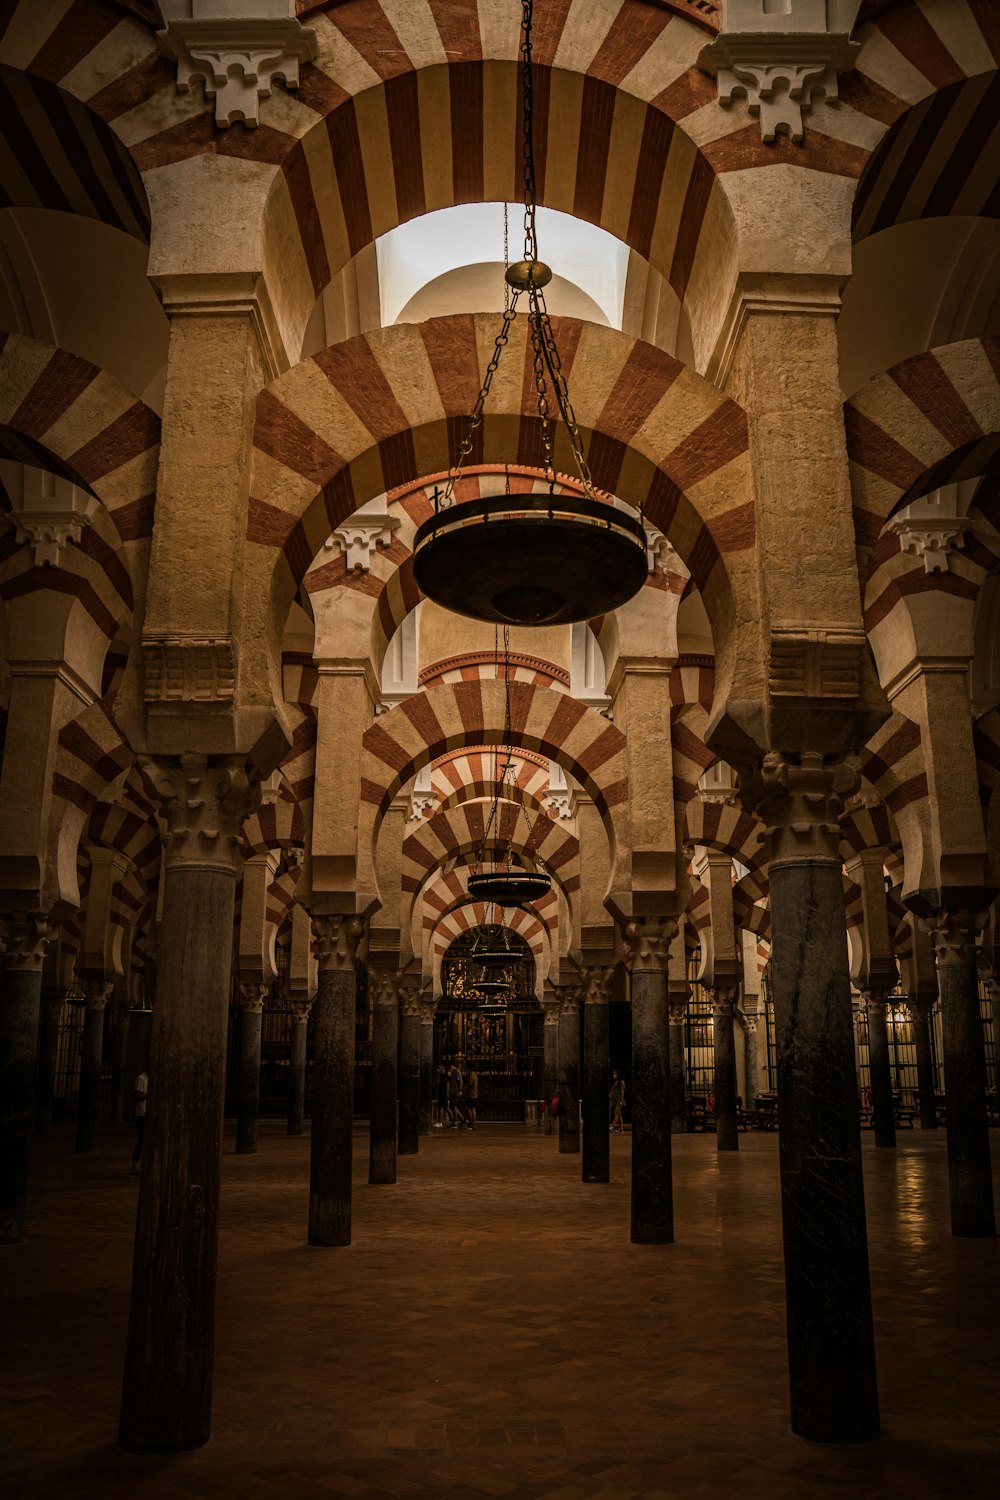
point(491, 1332)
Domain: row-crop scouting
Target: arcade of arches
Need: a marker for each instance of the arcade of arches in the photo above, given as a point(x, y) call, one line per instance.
point(250, 268)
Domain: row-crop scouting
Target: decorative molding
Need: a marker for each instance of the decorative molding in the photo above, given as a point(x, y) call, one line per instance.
point(661, 553)
point(780, 61)
point(238, 59)
point(816, 662)
point(203, 806)
point(932, 538)
point(189, 669)
point(60, 672)
point(48, 533)
point(360, 536)
point(488, 658)
point(559, 804)
point(800, 800)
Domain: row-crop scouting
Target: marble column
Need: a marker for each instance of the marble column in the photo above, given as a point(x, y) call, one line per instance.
point(48, 1053)
point(167, 1384)
point(409, 1071)
point(678, 1064)
point(724, 999)
point(831, 1352)
point(88, 1099)
point(550, 1053)
point(880, 1068)
point(569, 1067)
point(920, 1024)
point(332, 1143)
point(383, 987)
point(750, 1022)
point(970, 1178)
point(647, 955)
point(425, 1121)
point(301, 1006)
point(596, 1081)
point(20, 999)
point(251, 997)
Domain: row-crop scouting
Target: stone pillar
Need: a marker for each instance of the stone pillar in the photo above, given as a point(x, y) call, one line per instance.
point(167, 1384)
point(831, 1353)
point(724, 999)
point(550, 1052)
point(409, 1071)
point(880, 1069)
point(48, 1051)
point(425, 1122)
point(750, 1021)
point(383, 987)
point(88, 1101)
point(301, 1006)
point(595, 1083)
point(678, 1065)
point(330, 1161)
point(647, 955)
point(970, 1179)
point(20, 998)
point(569, 1068)
point(920, 1023)
point(251, 997)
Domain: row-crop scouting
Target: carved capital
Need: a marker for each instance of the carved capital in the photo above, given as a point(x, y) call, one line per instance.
point(359, 538)
point(383, 986)
point(335, 941)
point(932, 539)
point(800, 800)
point(49, 533)
point(411, 999)
point(568, 997)
point(251, 995)
point(677, 1008)
point(428, 1010)
point(550, 1009)
point(749, 1023)
point(647, 944)
point(188, 669)
point(597, 984)
point(238, 58)
point(203, 804)
point(97, 991)
point(300, 1006)
point(724, 998)
point(955, 935)
point(28, 932)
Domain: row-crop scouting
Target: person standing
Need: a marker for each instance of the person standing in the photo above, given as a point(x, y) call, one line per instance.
point(442, 1097)
point(140, 1092)
point(471, 1099)
point(616, 1099)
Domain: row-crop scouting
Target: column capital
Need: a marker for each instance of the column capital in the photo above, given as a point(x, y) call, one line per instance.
point(335, 941)
point(647, 944)
point(251, 995)
point(97, 991)
point(300, 1006)
point(955, 935)
point(204, 802)
point(800, 799)
point(677, 1009)
point(27, 934)
point(724, 998)
point(550, 1009)
point(428, 1010)
point(412, 999)
point(597, 984)
point(568, 997)
point(750, 1021)
point(384, 986)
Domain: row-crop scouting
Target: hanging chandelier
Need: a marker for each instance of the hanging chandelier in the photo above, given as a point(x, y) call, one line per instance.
point(495, 959)
point(530, 559)
point(497, 879)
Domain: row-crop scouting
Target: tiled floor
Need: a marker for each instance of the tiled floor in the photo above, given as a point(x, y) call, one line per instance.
point(491, 1332)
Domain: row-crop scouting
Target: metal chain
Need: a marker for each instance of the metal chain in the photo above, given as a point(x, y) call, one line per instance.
point(539, 317)
point(541, 394)
point(506, 260)
point(527, 132)
point(476, 415)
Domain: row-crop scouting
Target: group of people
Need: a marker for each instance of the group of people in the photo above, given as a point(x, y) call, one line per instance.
point(616, 1103)
point(457, 1098)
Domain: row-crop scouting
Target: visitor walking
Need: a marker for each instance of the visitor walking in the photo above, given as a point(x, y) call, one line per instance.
point(616, 1099)
point(442, 1097)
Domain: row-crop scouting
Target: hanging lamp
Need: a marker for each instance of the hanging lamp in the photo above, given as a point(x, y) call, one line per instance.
point(530, 559)
point(495, 959)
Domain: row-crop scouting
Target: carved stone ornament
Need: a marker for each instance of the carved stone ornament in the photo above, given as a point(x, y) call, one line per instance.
point(568, 997)
point(204, 803)
point(428, 1010)
point(49, 533)
point(300, 1006)
point(550, 1009)
point(97, 992)
point(724, 998)
point(188, 669)
point(360, 537)
point(411, 999)
point(780, 61)
point(955, 935)
point(677, 1009)
point(931, 538)
point(383, 986)
point(335, 942)
point(238, 59)
point(808, 662)
point(28, 932)
point(252, 994)
point(800, 800)
point(647, 944)
point(597, 984)
point(749, 1024)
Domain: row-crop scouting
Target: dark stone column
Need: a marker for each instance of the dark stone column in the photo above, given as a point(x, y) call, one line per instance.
point(88, 1101)
point(831, 1353)
point(252, 994)
point(550, 1056)
point(425, 1122)
point(383, 986)
point(678, 1005)
point(880, 1069)
point(648, 942)
point(409, 1072)
point(569, 1068)
point(121, 1089)
point(920, 1022)
point(167, 1385)
point(20, 999)
point(724, 1072)
point(48, 1051)
point(330, 1162)
point(595, 1083)
point(970, 1178)
point(297, 1064)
